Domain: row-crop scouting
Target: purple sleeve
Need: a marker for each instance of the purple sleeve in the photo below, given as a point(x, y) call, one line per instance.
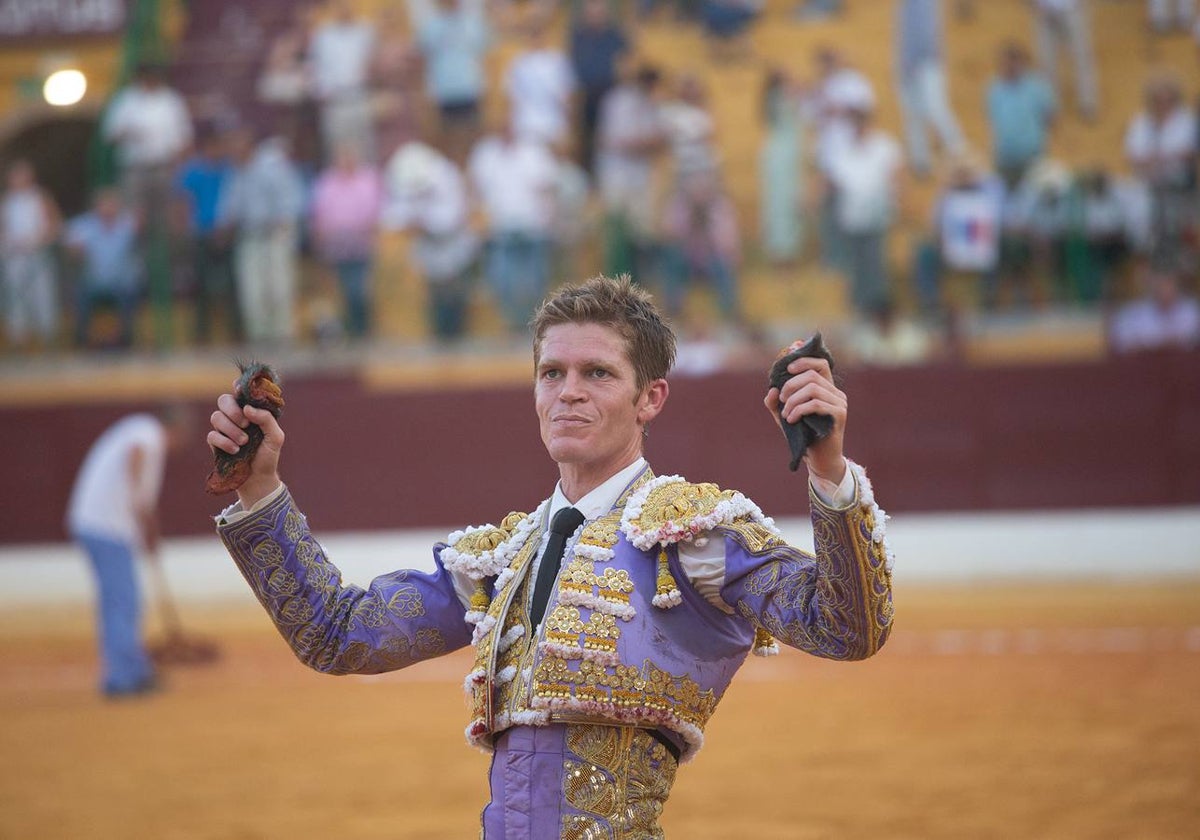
point(402, 618)
point(837, 605)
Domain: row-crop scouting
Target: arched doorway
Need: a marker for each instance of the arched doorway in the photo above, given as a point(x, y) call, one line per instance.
point(57, 145)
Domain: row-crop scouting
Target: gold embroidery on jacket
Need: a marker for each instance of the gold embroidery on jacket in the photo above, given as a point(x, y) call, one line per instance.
point(679, 502)
point(508, 609)
point(755, 536)
point(624, 689)
point(847, 578)
point(632, 690)
point(511, 695)
point(279, 590)
point(619, 779)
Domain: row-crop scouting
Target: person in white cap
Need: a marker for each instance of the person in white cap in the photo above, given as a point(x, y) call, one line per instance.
point(861, 172)
point(837, 83)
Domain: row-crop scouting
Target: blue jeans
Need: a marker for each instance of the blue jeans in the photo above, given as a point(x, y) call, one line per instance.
point(352, 276)
point(448, 301)
point(866, 265)
point(833, 240)
point(518, 270)
point(125, 665)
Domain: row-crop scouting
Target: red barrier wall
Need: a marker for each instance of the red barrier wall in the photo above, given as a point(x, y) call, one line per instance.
point(1121, 433)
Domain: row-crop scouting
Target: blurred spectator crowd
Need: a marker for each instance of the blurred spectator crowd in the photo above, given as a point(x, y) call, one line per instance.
point(366, 125)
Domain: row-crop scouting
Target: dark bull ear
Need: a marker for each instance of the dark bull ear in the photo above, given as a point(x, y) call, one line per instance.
point(812, 427)
point(257, 386)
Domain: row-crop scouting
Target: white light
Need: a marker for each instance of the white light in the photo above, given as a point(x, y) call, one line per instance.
point(64, 87)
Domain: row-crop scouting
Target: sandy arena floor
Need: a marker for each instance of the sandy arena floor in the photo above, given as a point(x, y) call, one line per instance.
point(996, 712)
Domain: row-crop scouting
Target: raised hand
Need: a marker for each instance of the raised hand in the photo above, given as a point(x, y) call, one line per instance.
point(810, 390)
point(234, 426)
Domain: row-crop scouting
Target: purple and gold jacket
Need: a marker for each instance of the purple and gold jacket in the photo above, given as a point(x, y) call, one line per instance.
point(588, 714)
point(622, 642)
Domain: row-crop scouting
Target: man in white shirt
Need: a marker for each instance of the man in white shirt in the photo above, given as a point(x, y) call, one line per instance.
point(608, 623)
point(427, 194)
point(862, 171)
point(838, 88)
point(1161, 145)
point(340, 57)
point(516, 182)
point(29, 224)
point(151, 127)
point(454, 38)
point(629, 136)
point(539, 84)
point(113, 516)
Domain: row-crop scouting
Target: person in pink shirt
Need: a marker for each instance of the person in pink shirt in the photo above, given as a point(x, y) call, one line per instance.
point(346, 203)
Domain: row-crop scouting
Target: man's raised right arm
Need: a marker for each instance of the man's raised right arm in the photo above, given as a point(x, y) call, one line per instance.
point(401, 618)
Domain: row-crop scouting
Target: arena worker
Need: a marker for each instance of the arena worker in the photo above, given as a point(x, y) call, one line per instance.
point(113, 515)
point(608, 622)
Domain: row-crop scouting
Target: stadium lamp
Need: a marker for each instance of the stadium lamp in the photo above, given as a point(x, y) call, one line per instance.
point(64, 87)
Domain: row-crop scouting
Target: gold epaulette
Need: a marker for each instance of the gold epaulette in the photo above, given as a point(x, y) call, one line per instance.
point(486, 550)
point(669, 510)
point(477, 541)
point(676, 510)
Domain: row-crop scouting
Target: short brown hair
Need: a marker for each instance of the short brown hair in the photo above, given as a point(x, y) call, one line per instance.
point(619, 304)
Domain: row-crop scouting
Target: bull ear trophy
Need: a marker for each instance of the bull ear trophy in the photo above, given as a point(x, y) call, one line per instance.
point(812, 427)
point(257, 386)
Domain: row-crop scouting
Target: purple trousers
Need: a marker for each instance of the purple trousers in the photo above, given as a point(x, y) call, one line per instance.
point(577, 780)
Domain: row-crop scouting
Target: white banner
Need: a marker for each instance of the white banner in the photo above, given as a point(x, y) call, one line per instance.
point(60, 18)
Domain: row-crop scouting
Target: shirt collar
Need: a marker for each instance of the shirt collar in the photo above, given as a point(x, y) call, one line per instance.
point(599, 501)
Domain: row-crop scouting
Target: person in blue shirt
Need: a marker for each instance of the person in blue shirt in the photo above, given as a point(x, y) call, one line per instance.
point(201, 183)
point(454, 38)
point(1021, 109)
point(104, 240)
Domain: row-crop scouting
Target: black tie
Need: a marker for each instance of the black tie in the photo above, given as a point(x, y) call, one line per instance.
point(562, 526)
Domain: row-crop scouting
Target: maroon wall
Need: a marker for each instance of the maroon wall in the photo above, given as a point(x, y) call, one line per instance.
point(1122, 432)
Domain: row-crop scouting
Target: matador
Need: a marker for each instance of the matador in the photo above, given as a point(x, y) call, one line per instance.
point(608, 622)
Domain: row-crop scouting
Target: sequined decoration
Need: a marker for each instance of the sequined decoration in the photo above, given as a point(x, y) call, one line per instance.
point(647, 693)
point(618, 779)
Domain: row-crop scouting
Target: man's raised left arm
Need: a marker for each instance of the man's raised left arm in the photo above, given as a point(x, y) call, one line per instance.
point(837, 603)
